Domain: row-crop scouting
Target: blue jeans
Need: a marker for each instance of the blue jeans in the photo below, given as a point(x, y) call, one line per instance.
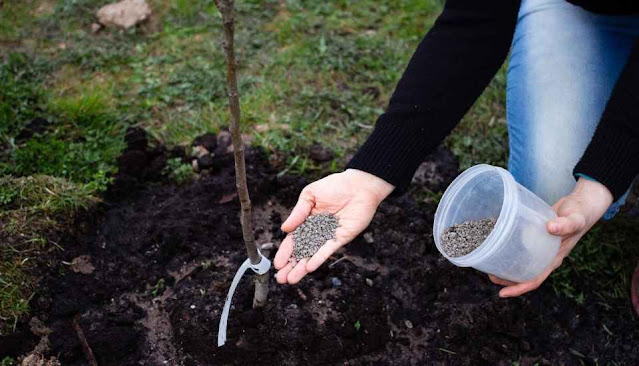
point(563, 66)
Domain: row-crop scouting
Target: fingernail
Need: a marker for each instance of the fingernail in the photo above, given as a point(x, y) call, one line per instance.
point(553, 227)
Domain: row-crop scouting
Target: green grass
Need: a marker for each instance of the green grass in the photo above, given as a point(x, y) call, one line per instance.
point(178, 171)
point(49, 169)
point(310, 73)
point(31, 207)
point(602, 261)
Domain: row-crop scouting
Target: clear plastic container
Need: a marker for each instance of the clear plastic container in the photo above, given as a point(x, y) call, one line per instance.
point(519, 248)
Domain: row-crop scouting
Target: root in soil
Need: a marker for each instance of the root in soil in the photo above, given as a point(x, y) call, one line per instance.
point(313, 233)
point(461, 239)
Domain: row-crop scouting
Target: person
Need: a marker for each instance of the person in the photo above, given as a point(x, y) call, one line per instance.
point(572, 110)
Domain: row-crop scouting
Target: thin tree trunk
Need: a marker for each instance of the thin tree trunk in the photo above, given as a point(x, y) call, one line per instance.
point(227, 10)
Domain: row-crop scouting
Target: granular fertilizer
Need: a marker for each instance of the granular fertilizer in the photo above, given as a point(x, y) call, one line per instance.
point(313, 233)
point(463, 238)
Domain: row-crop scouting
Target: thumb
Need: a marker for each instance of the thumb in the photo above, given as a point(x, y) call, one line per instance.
point(300, 212)
point(566, 225)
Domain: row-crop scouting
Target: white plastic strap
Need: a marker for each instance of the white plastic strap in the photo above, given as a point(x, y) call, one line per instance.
point(260, 268)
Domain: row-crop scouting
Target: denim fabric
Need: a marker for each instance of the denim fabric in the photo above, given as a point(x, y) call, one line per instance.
point(563, 66)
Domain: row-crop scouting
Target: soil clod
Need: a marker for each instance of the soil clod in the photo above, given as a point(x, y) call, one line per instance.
point(313, 233)
point(461, 239)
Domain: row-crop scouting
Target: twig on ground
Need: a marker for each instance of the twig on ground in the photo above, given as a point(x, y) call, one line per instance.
point(337, 261)
point(88, 353)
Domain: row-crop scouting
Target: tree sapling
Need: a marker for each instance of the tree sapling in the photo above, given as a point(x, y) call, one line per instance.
point(227, 9)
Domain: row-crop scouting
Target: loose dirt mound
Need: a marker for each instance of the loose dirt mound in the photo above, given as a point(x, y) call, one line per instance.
point(164, 256)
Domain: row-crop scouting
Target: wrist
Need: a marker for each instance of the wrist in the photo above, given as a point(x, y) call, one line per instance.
point(597, 194)
point(374, 185)
point(593, 188)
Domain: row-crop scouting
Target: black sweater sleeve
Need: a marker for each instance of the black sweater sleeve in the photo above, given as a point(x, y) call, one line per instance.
point(612, 157)
point(447, 73)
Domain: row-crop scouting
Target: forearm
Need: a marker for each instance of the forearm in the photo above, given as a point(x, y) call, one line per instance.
point(446, 74)
point(612, 157)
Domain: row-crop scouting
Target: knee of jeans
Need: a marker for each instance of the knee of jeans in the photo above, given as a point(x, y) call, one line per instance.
point(551, 183)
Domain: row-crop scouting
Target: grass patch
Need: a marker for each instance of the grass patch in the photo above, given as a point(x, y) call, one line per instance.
point(20, 95)
point(81, 144)
point(30, 208)
point(606, 256)
point(177, 171)
point(58, 152)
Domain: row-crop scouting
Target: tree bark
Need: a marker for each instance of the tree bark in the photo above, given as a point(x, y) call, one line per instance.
point(227, 9)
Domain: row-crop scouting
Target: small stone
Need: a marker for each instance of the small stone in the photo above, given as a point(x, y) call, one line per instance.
point(336, 282)
point(192, 307)
point(194, 164)
point(82, 264)
point(409, 324)
point(369, 282)
point(368, 237)
point(124, 14)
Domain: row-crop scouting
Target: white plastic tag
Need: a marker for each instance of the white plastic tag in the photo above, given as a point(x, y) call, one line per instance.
point(260, 268)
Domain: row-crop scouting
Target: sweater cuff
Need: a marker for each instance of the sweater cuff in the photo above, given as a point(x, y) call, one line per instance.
point(393, 153)
point(611, 159)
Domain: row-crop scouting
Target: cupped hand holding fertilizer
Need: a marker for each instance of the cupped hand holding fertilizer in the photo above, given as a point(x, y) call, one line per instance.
point(344, 202)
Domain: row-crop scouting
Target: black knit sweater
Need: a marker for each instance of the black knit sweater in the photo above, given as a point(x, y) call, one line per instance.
point(449, 70)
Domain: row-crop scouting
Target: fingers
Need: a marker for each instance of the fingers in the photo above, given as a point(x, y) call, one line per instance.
point(283, 253)
point(322, 255)
point(524, 287)
point(567, 225)
point(499, 281)
point(298, 272)
point(519, 289)
point(300, 212)
point(293, 272)
point(282, 274)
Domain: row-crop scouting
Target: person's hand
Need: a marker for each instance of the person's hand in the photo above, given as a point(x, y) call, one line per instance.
point(352, 196)
point(577, 213)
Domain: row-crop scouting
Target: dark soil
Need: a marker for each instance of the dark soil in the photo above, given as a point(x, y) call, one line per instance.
point(164, 256)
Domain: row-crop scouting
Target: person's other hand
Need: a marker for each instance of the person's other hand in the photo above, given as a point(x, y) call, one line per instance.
point(577, 213)
point(352, 196)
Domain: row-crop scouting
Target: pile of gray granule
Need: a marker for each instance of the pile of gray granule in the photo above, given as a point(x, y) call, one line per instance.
point(313, 233)
point(463, 238)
